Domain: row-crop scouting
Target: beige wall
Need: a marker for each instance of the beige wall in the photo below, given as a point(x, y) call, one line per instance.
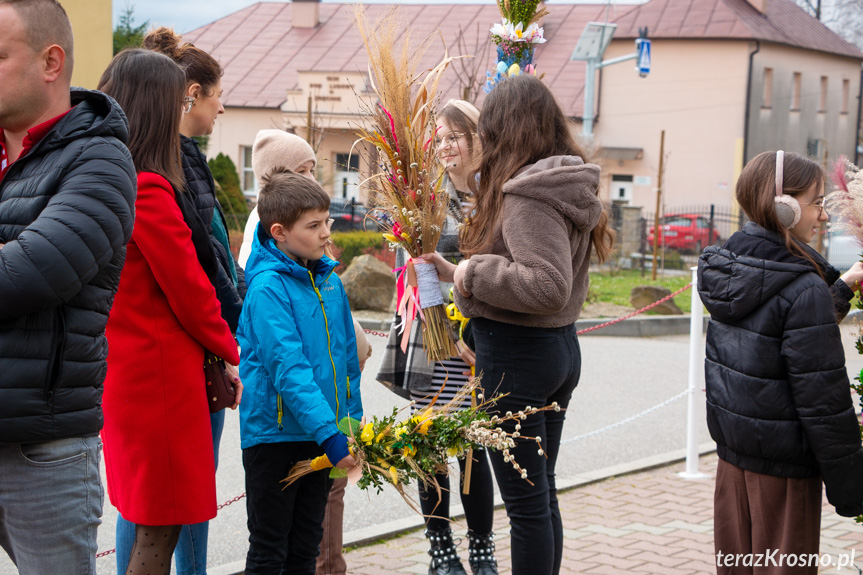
point(93, 31)
point(696, 92)
point(237, 128)
point(773, 122)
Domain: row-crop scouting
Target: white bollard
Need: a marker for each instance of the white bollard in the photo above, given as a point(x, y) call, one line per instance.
point(696, 376)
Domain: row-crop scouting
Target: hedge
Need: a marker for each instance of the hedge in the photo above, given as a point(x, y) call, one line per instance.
point(349, 245)
point(228, 191)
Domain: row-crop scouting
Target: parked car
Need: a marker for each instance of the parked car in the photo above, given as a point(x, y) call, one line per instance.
point(842, 251)
point(347, 215)
point(685, 232)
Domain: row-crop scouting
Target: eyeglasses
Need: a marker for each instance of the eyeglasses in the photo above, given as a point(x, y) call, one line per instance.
point(188, 102)
point(449, 140)
point(819, 203)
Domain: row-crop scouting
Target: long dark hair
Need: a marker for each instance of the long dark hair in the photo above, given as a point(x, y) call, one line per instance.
point(756, 189)
point(199, 66)
point(149, 87)
point(521, 123)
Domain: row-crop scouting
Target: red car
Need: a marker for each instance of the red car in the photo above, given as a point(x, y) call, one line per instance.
point(689, 232)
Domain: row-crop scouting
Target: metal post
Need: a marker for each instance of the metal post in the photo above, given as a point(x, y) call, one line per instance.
point(696, 373)
point(589, 81)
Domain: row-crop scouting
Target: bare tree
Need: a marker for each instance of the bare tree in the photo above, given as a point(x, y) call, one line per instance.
point(471, 71)
point(844, 17)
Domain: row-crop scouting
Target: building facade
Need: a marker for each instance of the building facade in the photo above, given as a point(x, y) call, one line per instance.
point(730, 78)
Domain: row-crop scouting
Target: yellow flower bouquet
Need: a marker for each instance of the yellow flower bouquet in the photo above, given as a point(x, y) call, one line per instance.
point(396, 450)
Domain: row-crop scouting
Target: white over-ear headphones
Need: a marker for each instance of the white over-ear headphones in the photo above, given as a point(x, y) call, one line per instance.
point(787, 207)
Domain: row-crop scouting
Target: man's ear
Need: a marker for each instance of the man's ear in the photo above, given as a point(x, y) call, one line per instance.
point(53, 62)
point(277, 231)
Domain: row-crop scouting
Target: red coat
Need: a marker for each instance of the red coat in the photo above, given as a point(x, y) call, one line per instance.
point(157, 438)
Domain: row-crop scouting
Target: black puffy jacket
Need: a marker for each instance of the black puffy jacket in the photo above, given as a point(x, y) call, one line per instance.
point(66, 214)
point(778, 396)
point(199, 183)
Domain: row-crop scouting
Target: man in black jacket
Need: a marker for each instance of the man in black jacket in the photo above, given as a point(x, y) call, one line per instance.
point(67, 191)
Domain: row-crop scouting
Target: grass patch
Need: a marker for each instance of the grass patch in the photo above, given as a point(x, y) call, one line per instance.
point(616, 288)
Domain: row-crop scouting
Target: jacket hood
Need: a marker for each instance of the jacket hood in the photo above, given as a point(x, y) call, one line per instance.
point(94, 114)
point(266, 256)
point(752, 267)
point(565, 183)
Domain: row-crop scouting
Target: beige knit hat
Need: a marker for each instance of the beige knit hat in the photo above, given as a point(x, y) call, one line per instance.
point(279, 149)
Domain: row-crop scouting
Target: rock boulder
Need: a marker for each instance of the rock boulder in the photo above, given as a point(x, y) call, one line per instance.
point(642, 296)
point(369, 283)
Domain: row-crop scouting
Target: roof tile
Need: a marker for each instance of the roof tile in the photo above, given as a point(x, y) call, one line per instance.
point(262, 52)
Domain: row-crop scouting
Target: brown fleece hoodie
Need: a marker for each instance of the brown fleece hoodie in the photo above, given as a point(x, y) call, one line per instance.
point(535, 273)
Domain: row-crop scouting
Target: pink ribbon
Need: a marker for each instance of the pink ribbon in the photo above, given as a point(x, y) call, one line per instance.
point(408, 304)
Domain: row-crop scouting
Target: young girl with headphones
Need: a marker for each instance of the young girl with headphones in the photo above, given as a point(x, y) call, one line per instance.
point(778, 398)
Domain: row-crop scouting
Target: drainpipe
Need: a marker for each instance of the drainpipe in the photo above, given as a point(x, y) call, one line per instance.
point(748, 102)
point(857, 131)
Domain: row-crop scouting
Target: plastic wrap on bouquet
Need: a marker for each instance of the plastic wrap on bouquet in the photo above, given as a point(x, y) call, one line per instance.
point(419, 294)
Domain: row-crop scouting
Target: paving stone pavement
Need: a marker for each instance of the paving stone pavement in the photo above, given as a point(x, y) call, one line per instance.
point(647, 522)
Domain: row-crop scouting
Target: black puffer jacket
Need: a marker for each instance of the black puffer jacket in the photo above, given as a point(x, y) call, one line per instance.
point(199, 183)
point(778, 395)
point(66, 214)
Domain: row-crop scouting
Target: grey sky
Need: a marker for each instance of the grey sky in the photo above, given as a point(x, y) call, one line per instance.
point(186, 15)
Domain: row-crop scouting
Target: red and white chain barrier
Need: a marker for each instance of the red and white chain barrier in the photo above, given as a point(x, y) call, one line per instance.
point(580, 332)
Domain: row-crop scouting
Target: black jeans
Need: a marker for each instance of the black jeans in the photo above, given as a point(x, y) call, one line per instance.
point(478, 504)
point(285, 527)
point(535, 366)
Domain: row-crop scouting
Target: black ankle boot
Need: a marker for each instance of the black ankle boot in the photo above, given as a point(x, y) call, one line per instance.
point(443, 552)
point(481, 554)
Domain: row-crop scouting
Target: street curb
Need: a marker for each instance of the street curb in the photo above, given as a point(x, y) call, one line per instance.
point(392, 529)
point(645, 326)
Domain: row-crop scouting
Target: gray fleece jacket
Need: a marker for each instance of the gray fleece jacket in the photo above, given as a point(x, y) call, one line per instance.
point(535, 273)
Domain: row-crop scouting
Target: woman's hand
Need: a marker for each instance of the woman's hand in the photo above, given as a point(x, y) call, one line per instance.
point(233, 373)
point(445, 269)
point(458, 277)
point(465, 353)
point(853, 276)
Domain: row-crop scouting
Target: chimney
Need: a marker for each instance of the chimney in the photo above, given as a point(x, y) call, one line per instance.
point(760, 5)
point(306, 13)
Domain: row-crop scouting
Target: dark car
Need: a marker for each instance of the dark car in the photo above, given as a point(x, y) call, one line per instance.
point(348, 215)
point(685, 232)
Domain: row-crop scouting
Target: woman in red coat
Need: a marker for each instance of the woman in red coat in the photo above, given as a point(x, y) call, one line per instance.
point(157, 438)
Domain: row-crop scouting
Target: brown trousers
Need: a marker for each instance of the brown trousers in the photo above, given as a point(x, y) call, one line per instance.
point(759, 518)
point(331, 561)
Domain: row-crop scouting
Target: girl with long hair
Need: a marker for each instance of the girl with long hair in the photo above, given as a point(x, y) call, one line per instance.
point(412, 376)
point(528, 241)
point(204, 215)
point(157, 434)
point(778, 398)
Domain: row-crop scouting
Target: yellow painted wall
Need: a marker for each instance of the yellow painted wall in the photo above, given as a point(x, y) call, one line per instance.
point(93, 30)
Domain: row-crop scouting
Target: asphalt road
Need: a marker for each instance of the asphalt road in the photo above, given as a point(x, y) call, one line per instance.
point(621, 377)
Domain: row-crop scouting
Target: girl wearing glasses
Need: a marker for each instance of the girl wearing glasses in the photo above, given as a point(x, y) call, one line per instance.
point(778, 399)
point(412, 376)
point(157, 434)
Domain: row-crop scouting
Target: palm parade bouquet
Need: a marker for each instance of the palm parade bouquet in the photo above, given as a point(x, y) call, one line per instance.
point(407, 191)
point(846, 202)
point(411, 205)
point(516, 37)
point(397, 449)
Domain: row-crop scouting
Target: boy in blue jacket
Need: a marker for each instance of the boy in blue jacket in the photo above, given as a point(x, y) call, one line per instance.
point(300, 370)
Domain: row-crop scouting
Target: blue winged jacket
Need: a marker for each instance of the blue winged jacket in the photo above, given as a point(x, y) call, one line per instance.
point(298, 358)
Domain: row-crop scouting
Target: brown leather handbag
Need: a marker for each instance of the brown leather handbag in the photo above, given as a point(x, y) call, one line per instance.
point(221, 392)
